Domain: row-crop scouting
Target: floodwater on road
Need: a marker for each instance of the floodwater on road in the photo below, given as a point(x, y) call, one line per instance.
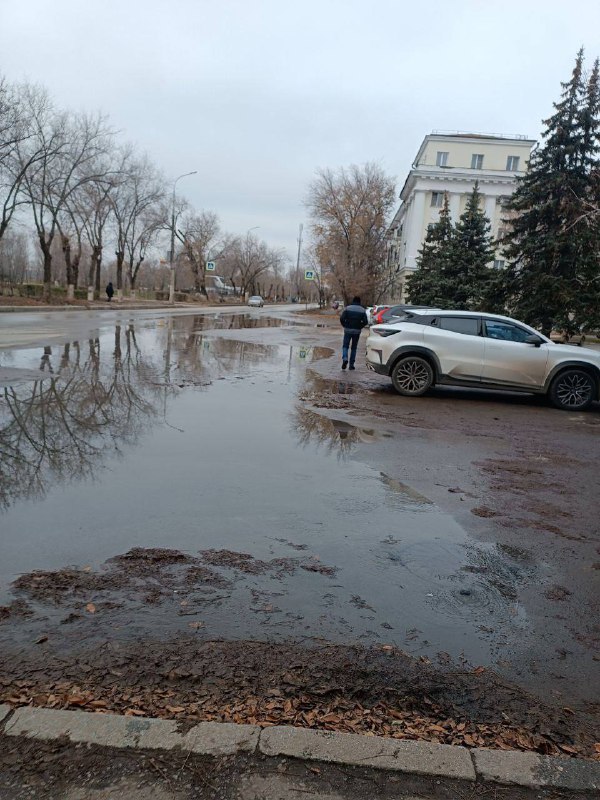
point(182, 433)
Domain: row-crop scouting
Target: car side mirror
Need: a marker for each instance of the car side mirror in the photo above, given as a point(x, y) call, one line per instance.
point(534, 340)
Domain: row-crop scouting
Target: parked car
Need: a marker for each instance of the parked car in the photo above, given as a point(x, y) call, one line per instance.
point(562, 337)
point(376, 312)
point(432, 347)
point(393, 312)
point(256, 301)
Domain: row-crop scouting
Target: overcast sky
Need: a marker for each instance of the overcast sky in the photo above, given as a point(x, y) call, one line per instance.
point(258, 94)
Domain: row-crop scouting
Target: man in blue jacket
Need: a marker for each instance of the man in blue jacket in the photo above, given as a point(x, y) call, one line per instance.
point(354, 319)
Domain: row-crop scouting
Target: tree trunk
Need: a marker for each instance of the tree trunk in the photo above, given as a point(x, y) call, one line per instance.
point(98, 269)
point(45, 247)
point(75, 267)
point(120, 254)
point(92, 269)
point(133, 273)
point(66, 248)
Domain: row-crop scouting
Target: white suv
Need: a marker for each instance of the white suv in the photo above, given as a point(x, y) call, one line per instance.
point(429, 346)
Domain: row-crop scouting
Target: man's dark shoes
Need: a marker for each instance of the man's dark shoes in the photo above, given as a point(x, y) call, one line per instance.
point(352, 366)
point(345, 364)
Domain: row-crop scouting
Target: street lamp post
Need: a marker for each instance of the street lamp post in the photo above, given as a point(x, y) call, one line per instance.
point(172, 251)
point(255, 228)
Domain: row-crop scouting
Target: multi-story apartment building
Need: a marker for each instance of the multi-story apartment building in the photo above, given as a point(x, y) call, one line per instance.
point(451, 163)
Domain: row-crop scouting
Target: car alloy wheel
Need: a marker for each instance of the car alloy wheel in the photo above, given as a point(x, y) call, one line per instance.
point(572, 390)
point(412, 376)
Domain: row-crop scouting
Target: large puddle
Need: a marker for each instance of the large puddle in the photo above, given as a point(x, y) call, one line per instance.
point(171, 435)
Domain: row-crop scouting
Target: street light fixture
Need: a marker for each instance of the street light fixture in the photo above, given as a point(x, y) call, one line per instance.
point(172, 251)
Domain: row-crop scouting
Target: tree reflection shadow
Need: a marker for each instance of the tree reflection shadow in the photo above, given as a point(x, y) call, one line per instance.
point(59, 428)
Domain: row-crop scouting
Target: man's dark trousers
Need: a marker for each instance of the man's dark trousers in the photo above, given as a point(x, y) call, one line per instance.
point(350, 339)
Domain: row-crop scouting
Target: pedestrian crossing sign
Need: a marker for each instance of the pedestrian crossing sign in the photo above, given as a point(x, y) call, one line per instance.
point(309, 275)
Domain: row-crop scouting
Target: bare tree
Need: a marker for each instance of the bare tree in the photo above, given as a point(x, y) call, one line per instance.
point(84, 217)
point(14, 257)
point(349, 210)
point(138, 205)
point(202, 241)
point(248, 259)
point(68, 149)
point(17, 153)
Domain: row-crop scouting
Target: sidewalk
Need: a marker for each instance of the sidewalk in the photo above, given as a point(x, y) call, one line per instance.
point(87, 756)
point(99, 305)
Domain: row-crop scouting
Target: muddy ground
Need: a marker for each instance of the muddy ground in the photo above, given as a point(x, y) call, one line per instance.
point(51, 770)
point(509, 469)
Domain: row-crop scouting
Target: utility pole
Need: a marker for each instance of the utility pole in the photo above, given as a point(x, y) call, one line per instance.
point(298, 261)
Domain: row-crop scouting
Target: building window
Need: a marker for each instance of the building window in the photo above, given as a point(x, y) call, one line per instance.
point(499, 263)
point(437, 199)
point(442, 159)
point(477, 161)
point(512, 163)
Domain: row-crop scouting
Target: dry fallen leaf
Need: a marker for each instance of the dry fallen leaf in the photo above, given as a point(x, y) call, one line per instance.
point(41, 639)
point(195, 625)
point(175, 709)
point(91, 608)
point(76, 700)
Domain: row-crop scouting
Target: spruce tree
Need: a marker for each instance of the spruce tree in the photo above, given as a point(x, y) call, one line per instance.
point(552, 246)
point(468, 269)
point(426, 285)
point(587, 310)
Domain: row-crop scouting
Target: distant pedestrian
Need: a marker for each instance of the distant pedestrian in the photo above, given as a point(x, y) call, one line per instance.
point(354, 319)
point(110, 291)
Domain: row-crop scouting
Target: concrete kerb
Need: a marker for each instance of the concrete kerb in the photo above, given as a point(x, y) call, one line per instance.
point(220, 739)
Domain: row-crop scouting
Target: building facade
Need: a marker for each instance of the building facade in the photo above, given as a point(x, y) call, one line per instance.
point(452, 163)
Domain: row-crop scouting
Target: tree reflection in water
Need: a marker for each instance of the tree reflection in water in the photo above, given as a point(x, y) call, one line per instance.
point(335, 435)
point(58, 428)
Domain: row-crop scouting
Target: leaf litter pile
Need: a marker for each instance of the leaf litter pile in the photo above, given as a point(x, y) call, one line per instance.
point(378, 691)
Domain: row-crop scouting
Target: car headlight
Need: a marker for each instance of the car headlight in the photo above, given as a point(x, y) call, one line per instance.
point(386, 331)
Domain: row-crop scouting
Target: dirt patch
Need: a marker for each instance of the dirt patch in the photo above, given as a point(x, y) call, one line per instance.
point(484, 511)
point(246, 563)
point(18, 608)
point(380, 691)
point(51, 770)
point(150, 574)
point(557, 593)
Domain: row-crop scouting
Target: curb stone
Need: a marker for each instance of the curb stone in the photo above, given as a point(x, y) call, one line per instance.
point(533, 771)
point(422, 758)
point(222, 738)
point(113, 730)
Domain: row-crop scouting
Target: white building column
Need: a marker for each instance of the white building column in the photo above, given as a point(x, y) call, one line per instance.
point(490, 210)
point(454, 206)
point(415, 229)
